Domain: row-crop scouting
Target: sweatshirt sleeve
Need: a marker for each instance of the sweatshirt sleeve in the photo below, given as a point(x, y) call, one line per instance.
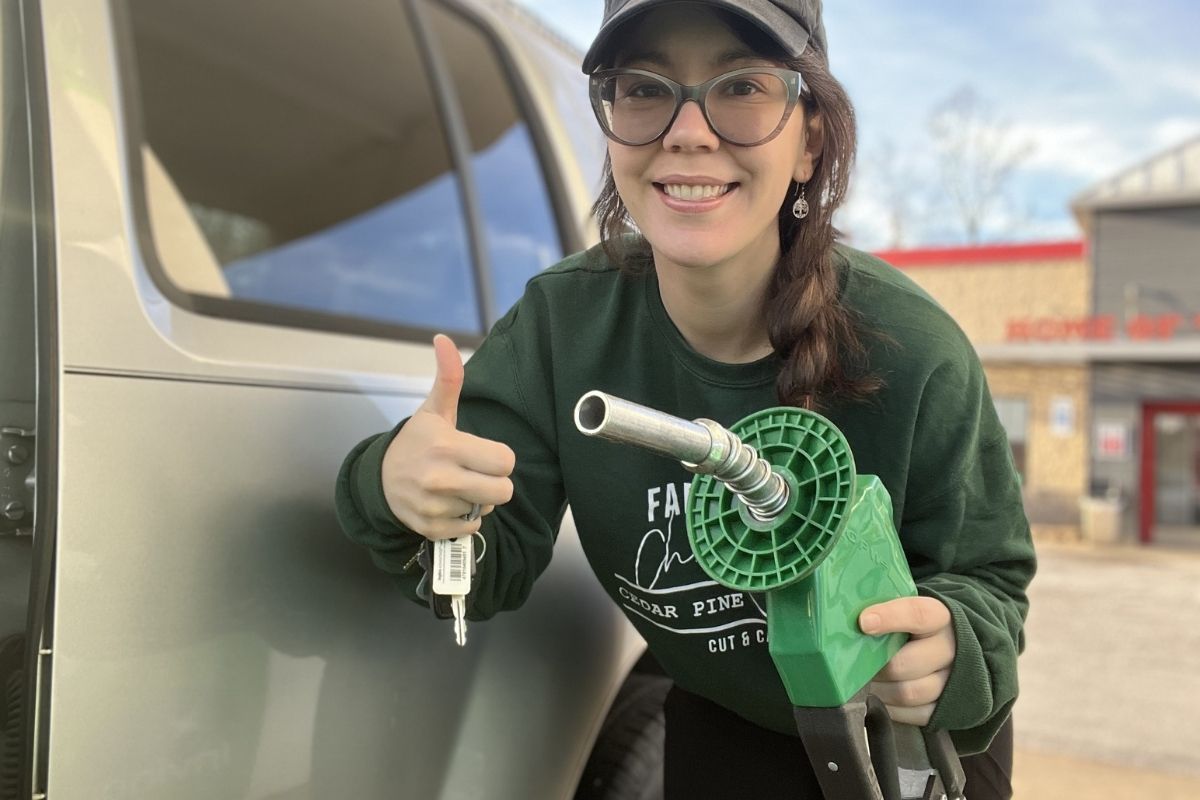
point(367, 520)
point(519, 535)
point(968, 539)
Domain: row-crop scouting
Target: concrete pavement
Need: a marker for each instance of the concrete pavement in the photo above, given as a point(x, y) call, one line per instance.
point(1110, 679)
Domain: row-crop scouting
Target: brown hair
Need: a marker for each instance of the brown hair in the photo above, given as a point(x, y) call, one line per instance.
point(819, 339)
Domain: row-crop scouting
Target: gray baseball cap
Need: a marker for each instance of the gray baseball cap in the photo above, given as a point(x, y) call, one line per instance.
point(792, 23)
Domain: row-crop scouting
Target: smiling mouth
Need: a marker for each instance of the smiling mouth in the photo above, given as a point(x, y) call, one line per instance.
point(687, 192)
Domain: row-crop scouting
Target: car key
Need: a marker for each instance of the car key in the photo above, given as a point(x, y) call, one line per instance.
point(452, 570)
point(452, 562)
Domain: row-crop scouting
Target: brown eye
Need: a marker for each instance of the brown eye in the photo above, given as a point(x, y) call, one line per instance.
point(647, 91)
point(742, 88)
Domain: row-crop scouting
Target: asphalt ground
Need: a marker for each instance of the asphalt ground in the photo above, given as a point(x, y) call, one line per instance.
point(1110, 678)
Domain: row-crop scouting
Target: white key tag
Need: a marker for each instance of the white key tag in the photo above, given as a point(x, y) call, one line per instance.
point(453, 561)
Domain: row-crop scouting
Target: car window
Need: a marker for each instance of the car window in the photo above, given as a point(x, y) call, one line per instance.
point(293, 157)
point(520, 233)
point(569, 93)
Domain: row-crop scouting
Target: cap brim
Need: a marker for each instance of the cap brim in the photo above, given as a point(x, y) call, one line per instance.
point(772, 20)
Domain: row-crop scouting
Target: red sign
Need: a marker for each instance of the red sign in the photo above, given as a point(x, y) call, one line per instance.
point(1112, 440)
point(1100, 328)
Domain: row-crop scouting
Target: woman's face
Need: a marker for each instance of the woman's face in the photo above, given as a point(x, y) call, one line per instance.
point(689, 43)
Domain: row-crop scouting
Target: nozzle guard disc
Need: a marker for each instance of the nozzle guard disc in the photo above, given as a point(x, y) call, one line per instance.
point(741, 552)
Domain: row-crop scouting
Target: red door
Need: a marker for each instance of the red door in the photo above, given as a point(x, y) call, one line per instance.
point(1149, 460)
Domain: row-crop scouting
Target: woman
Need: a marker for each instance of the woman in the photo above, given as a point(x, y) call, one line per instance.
point(730, 146)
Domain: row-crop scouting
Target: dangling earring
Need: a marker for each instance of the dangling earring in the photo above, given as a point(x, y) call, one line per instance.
point(800, 207)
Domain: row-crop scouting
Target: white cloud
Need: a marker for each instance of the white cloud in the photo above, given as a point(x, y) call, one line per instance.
point(1082, 149)
point(1176, 130)
point(1183, 79)
point(864, 219)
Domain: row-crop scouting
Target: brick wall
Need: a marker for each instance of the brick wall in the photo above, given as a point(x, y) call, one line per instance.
point(1056, 465)
point(983, 298)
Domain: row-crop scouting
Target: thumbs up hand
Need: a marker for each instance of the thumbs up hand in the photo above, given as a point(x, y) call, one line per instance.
point(434, 473)
point(447, 383)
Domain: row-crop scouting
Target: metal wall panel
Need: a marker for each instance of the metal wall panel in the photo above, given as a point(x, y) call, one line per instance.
point(1147, 261)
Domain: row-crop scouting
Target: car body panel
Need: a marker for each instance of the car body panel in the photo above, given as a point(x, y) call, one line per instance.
point(214, 634)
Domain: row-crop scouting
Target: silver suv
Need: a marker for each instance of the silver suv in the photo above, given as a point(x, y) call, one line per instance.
point(229, 229)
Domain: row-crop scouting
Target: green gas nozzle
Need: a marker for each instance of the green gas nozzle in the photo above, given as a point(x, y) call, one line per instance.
point(777, 507)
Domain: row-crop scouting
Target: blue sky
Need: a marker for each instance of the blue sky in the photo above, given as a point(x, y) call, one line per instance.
point(1092, 86)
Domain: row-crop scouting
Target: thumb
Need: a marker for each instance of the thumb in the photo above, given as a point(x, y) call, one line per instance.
point(447, 383)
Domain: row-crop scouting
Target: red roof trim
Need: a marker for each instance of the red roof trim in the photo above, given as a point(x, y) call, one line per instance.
point(983, 254)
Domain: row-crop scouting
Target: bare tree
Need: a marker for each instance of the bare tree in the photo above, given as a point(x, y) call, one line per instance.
point(976, 156)
point(894, 178)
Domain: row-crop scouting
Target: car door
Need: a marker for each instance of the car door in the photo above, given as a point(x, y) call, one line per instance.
point(250, 219)
point(28, 403)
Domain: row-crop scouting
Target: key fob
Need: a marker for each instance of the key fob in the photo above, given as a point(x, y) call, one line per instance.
point(440, 604)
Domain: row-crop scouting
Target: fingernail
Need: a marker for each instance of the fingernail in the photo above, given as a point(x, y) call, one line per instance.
point(870, 623)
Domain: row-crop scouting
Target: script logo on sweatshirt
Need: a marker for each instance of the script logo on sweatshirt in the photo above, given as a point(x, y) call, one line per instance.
point(668, 589)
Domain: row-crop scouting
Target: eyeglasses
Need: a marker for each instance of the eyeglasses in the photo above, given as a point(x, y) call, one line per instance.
point(745, 107)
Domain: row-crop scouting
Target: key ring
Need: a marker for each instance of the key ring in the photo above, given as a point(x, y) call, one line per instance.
point(471, 516)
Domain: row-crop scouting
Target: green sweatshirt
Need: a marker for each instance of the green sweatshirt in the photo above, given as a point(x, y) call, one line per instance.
point(931, 435)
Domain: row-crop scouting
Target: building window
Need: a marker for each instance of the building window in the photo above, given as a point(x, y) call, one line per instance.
point(1014, 416)
point(1177, 468)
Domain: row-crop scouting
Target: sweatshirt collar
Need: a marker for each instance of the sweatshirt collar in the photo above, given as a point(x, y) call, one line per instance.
point(754, 373)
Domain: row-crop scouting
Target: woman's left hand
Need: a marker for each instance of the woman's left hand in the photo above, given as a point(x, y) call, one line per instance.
point(911, 683)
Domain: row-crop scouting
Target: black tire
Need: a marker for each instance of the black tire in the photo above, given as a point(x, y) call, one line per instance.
point(627, 761)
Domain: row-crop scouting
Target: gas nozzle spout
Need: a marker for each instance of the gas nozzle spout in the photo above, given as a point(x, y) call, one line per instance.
point(607, 417)
point(702, 446)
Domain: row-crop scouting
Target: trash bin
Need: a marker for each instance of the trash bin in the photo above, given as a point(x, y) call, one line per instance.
point(1100, 519)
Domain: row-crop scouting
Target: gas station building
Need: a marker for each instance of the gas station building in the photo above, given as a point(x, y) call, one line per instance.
point(1092, 351)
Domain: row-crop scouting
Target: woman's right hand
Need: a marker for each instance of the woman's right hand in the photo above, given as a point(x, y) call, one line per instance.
point(434, 473)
